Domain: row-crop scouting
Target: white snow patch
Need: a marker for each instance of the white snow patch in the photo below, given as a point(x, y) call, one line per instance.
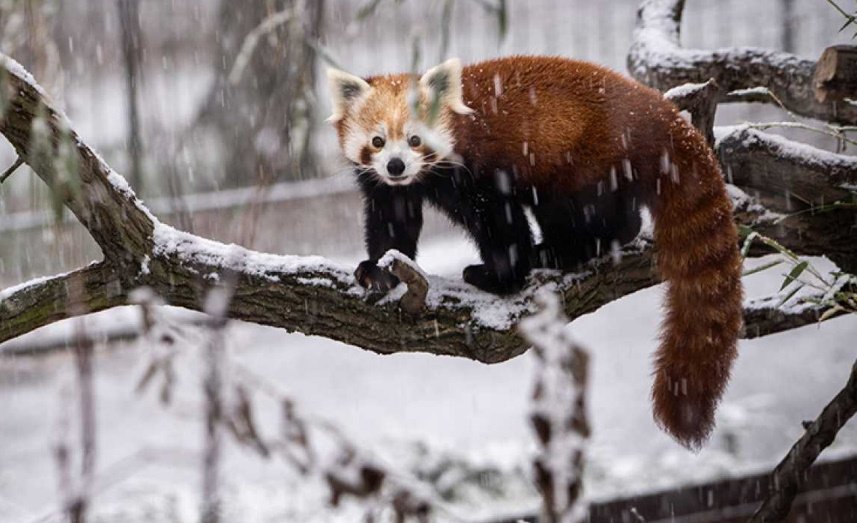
point(9, 291)
point(194, 250)
point(144, 266)
point(683, 90)
point(750, 91)
point(787, 148)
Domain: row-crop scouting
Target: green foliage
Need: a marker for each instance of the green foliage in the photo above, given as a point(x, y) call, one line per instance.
point(835, 294)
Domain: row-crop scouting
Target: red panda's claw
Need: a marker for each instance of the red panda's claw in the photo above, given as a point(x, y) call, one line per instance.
point(371, 277)
point(487, 280)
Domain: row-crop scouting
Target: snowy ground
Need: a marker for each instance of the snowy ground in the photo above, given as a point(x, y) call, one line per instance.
point(415, 412)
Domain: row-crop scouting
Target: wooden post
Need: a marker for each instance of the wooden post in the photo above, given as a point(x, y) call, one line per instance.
point(835, 76)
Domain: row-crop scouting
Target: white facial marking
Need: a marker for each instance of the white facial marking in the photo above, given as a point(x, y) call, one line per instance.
point(400, 149)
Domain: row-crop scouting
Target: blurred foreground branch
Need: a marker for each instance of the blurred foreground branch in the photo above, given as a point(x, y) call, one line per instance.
point(304, 294)
point(558, 412)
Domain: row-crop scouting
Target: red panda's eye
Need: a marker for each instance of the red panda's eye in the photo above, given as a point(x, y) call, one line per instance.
point(377, 142)
point(415, 141)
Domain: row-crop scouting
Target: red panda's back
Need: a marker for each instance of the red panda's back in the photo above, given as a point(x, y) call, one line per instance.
point(560, 123)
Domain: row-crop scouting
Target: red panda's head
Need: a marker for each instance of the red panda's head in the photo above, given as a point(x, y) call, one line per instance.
point(396, 127)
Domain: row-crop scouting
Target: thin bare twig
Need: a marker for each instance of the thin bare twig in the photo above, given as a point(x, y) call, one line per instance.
point(8, 172)
point(268, 25)
point(83, 358)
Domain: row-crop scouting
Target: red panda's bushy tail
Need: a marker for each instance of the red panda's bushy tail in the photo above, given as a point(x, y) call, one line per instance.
point(697, 254)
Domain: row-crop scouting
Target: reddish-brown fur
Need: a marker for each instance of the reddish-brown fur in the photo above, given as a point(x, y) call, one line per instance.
point(564, 125)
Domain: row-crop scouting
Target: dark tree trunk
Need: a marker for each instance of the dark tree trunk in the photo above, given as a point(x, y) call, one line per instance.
point(789, 26)
point(129, 21)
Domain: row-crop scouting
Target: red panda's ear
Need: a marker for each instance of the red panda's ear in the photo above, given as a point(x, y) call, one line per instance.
point(345, 90)
point(443, 83)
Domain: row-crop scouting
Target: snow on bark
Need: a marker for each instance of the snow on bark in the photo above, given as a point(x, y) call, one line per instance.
point(194, 251)
point(842, 168)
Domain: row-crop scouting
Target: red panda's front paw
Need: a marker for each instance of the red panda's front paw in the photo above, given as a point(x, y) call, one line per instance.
point(488, 280)
point(370, 276)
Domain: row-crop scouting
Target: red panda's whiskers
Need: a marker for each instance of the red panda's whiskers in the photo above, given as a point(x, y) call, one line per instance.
point(453, 164)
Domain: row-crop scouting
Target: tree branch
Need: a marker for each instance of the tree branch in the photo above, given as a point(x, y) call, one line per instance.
point(106, 206)
point(789, 475)
point(700, 100)
point(771, 163)
point(799, 181)
point(657, 59)
point(41, 302)
point(11, 170)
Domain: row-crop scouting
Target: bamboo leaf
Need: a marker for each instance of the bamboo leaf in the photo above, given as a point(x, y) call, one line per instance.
point(831, 312)
point(748, 242)
point(789, 296)
point(762, 267)
point(503, 19)
point(795, 273)
point(744, 231)
point(446, 28)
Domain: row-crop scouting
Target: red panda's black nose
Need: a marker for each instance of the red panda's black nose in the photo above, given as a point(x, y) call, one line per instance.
point(395, 167)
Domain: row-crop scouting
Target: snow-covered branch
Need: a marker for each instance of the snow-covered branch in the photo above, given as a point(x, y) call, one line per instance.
point(43, 301)
point(658, 60)
point(700, 100)
point(796, 180)
point(801, 184)
point(770, 162)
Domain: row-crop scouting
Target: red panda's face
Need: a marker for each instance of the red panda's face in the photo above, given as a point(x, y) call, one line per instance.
point(397, 127)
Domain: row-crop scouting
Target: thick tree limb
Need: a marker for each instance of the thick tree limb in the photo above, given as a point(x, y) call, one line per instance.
point(797, 180)
point(788, 477)
point(700, 100)
point(106, 206)
point(767, 162)
point(90, 289)
point(305, 294)
point(657, 59)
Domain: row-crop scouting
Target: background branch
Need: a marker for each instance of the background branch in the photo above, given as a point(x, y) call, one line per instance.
point(789, 475)
point(657, 59)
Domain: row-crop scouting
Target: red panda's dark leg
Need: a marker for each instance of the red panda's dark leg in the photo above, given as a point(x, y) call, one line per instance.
point(488, 208)
point(393, 218)
point(501, 231)
point(505, 244)
point(584, 226)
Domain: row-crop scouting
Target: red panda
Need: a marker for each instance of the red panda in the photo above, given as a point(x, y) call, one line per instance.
point(585, 149)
